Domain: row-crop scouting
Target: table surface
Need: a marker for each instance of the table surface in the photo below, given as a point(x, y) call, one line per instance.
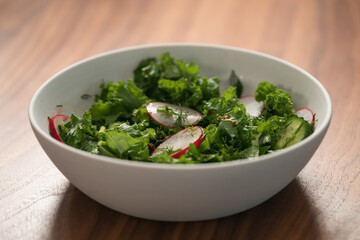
point(40, 37)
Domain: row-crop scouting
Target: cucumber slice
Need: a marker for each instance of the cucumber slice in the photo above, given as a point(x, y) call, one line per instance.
point(295, 130)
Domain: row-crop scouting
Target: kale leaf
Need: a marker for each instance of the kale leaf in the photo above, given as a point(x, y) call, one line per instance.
point(80, 133)
point(277, 101)
point(118, 125)
point(175, 81)
point(116, 101)
point(122, 145)
point(235, 81)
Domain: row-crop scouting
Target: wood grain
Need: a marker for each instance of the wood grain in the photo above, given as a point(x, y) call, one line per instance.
point(40, 37)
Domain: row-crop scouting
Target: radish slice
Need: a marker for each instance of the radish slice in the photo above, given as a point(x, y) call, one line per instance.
point(253, 107)
point(181, 141)
point(187, 115)
point(306, 113)
point(55, 122)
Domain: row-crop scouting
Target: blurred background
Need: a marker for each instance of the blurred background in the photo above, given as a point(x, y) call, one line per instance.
point(51, 34)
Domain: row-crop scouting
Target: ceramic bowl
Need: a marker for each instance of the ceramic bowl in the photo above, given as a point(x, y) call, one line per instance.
point(178, 192)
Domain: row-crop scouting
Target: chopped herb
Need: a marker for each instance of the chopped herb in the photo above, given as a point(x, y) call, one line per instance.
point(165, 109)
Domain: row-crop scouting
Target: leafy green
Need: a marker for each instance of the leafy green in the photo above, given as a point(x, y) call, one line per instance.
point(116, 101)
point(174, 91)
point(277, 101)
point(263, 89)
point(217, 108)
point(267, 130)
point(146, 76)
point(118, 125)
point(174, 81)
point(123, 145)
point(235, 81)
point(149, 71)
point(80, 133)
point(135, 130)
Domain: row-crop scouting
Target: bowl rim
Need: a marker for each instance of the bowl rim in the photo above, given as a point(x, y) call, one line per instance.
point(117, 161)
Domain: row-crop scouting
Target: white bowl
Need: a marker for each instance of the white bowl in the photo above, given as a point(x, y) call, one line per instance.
point(178, 192)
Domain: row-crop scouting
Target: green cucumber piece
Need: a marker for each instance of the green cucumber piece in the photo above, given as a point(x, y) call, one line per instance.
point(295, 130)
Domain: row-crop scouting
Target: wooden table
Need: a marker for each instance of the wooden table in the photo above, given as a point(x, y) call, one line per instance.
point(40, 37)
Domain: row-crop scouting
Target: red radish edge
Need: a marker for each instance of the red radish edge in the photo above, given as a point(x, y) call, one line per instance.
point(55, 122)
point(182, 152)
point(306, 113)
point(178, 154)
point(151, 113)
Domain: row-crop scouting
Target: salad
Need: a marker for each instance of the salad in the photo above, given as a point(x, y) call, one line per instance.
point(169, 113)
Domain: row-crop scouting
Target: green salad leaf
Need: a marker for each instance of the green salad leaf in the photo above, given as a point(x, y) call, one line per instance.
point(277, 101)
point(235, 81)
point(174, 81)
point(123, 145)
point(117, 101)
point(80, 133)
point(118, 125)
